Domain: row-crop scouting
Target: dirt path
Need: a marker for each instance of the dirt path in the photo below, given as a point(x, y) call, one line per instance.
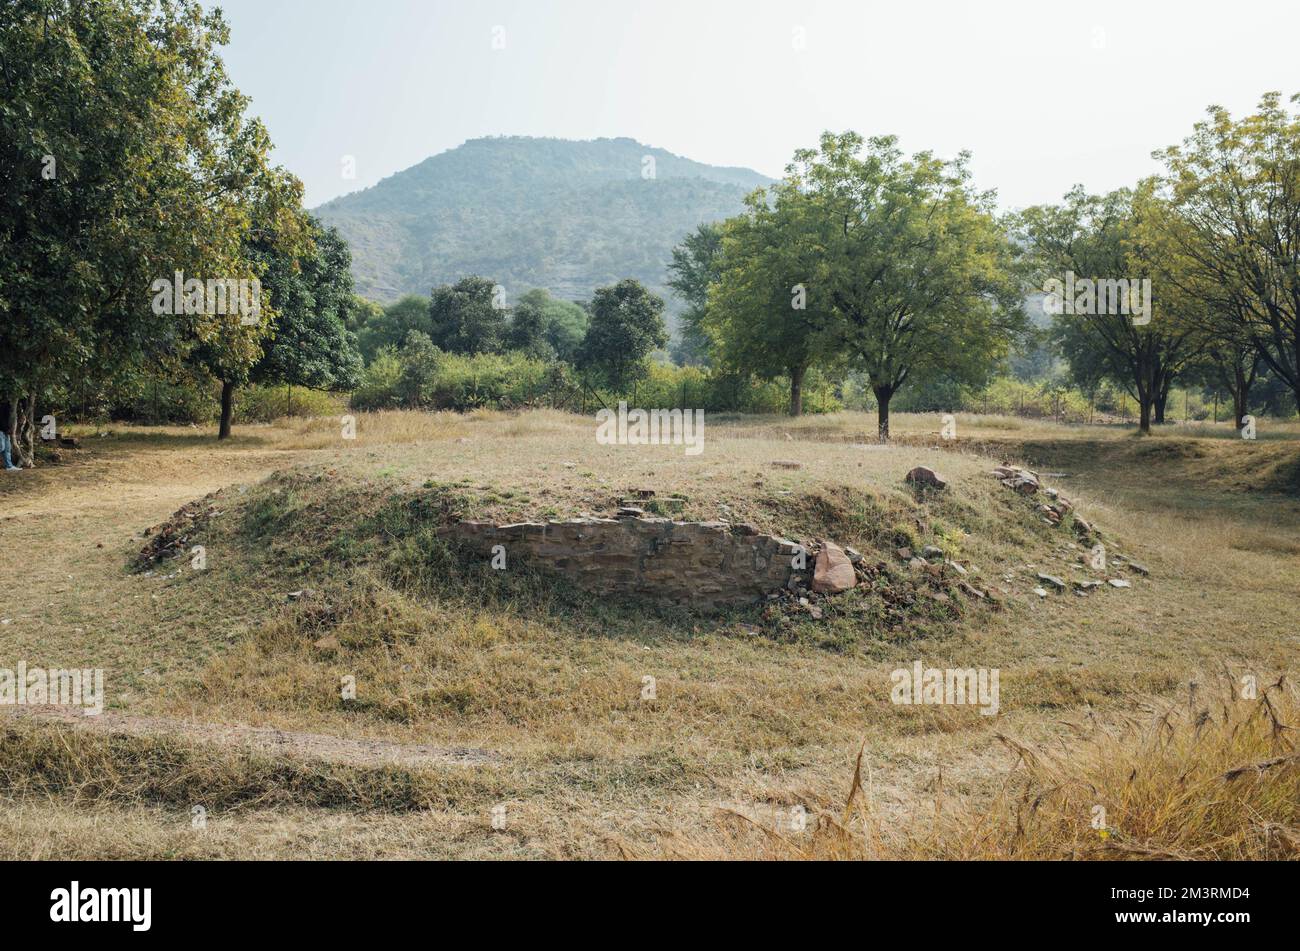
point(312, 746)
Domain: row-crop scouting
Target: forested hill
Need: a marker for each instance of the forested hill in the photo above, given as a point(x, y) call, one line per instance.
point(564, 215)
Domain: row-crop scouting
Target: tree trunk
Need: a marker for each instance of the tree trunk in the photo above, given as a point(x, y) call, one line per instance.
point(1161, 401)
point(22, 431)
point(1241, 394)
point(796, 390)
point(227, 405)
point(883, 395)
point(1144, 419)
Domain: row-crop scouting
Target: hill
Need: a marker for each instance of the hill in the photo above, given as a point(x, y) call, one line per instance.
point(527, 212)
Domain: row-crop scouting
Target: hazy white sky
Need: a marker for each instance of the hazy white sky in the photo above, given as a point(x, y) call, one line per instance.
point(1044, 94)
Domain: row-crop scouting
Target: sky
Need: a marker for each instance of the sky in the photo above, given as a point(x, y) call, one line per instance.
point(1044, 95)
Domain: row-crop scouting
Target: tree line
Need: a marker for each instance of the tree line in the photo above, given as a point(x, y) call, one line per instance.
point(127, 157)
point(897, 269)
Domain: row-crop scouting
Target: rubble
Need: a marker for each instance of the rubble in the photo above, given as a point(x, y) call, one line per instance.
point(924, 475)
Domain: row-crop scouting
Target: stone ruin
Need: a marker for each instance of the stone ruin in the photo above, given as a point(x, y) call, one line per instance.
point(705, 565)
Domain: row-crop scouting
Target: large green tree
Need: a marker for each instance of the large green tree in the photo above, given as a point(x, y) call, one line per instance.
point(468, 316)
point(308, 344)
point(761, 313)
point(627, 324)
point(913, 263)
point(125, 156)
point(1139, 335)
point(1235, 185)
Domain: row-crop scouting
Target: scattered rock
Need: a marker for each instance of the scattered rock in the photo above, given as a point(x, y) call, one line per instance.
point(833, 572)
point(327, 643)
point(175, 536)
point(1054, 581)
point(958, 568)
point(1140, 569)
point(630, 511)
point(1118, 583)
point(924, 475)
point(786, 464)
point(930, 552)
point(1087, 585)
point(905, 554)
point(855, 556)
point(1021, 480)
point(1040, 592)
point(916, 563)
point(301, 595)
point(1023, 484)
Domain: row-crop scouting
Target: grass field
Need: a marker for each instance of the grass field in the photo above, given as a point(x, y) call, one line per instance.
point(479, 695)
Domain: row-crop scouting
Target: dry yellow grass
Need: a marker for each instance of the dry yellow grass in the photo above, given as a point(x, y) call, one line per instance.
point(589, 768)
point(1214, 778)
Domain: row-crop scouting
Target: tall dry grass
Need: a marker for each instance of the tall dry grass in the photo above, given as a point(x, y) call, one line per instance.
point(1211, 777)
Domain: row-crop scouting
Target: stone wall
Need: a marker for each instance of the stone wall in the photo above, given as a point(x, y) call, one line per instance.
point(704, 565)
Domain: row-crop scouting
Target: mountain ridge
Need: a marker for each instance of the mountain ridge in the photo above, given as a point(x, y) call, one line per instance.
point(568, 215)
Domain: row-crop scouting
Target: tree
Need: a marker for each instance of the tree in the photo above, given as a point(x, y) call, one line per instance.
point(626, 326)
point(1235, 186)
point(913, 264)
point(1103, 255)
point(760, 314)
point(229, 344)
point(362, 312)
point(695, 268)
point(419, 369)
point(309, 343)
point(125, 156)
point(1232, 362)
point(390, 327)
point(564, 323)
point(527, 330)
point(468, 316)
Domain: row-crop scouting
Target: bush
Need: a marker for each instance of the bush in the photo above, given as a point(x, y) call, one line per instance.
point(420, 376)
point(263, 404)
point(160, 402)
point(379, 382)
point(692, 387)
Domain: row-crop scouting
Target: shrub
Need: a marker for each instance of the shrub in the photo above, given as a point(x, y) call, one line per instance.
point(263, 404)
point(421, 376)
